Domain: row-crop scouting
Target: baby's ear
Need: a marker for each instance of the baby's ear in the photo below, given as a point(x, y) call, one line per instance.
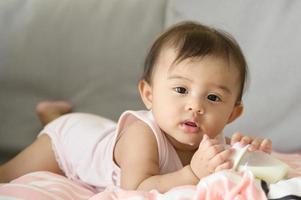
point(236, 112)
point(146, 93)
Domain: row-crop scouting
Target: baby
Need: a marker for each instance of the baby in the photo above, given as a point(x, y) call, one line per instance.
point(192, 87)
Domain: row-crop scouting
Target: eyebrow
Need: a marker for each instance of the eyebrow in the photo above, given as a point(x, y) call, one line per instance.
point(179, 77)
point(222, 87)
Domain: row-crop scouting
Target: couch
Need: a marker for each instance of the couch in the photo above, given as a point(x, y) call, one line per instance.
point(91, 53)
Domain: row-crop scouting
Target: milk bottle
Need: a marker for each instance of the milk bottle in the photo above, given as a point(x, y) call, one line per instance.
point(264, 166)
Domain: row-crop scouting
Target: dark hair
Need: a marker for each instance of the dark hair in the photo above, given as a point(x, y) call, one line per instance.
point(194, 40)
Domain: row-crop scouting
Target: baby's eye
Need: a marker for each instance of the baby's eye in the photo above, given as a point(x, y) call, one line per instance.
point(181, 90)
point(213, 97)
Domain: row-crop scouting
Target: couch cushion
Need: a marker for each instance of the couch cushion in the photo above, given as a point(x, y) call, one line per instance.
point(269, 34)
point(89, 52)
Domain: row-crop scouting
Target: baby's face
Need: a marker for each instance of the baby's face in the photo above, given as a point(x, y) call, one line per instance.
point(193, 97)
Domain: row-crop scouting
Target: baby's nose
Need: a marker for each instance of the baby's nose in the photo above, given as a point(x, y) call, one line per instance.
point(196, 107)
point(199, 111)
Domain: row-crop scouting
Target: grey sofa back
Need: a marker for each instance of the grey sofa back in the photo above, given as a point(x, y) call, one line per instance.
point(269, 34)
point(88, 52)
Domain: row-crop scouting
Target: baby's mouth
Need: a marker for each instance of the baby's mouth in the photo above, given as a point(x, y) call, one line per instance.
point(190, 127)
point(193, 124)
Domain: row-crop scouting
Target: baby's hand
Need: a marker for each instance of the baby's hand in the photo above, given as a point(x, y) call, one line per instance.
point(255, 143)
point(210, 157)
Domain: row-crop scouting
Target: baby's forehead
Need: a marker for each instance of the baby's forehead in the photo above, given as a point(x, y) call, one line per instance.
point(170, 58)
point(168, 66)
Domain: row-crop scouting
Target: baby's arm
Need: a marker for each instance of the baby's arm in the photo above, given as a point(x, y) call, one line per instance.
point(136, 153)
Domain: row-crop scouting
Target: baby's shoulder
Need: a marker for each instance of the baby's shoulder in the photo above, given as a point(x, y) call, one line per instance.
point(138, 131)
point(136, 137)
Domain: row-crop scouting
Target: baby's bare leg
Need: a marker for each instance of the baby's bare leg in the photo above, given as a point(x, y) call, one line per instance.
point(50, 110)
point(39, 156)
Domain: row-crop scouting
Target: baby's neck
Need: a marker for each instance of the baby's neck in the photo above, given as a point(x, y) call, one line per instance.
point(185, 156)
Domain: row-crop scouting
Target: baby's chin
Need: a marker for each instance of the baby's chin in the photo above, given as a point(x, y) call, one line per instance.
point(184, 144)
point(190, 146)
point(190, 143)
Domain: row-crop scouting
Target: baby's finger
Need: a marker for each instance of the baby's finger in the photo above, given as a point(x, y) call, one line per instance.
point(236, 137)
point(221, 157)
point(205, 137)
point(208, 143)
point(255, 145)
point(266, 146)
point(214, 150)
point(246, 140)
point(226, 165)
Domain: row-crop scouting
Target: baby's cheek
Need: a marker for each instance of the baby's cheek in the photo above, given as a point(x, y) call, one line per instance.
point(215, 125)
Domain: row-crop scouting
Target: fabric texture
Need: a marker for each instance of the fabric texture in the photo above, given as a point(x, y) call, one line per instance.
point(88, 52)
point(222, 185)
point(84, 143)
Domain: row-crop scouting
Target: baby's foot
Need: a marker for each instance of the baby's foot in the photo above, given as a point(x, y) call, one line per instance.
point(50, 110)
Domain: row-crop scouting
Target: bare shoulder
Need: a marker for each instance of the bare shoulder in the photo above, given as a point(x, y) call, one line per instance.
point(136, 153)
point(138, 136)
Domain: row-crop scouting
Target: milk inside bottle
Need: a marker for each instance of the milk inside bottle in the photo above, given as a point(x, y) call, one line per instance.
point(264, 166)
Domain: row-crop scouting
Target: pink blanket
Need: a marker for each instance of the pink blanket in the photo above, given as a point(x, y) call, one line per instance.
point(223, 185)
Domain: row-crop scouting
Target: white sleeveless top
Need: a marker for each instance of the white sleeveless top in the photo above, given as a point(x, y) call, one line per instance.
point(84, 147)
point(169, 160)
